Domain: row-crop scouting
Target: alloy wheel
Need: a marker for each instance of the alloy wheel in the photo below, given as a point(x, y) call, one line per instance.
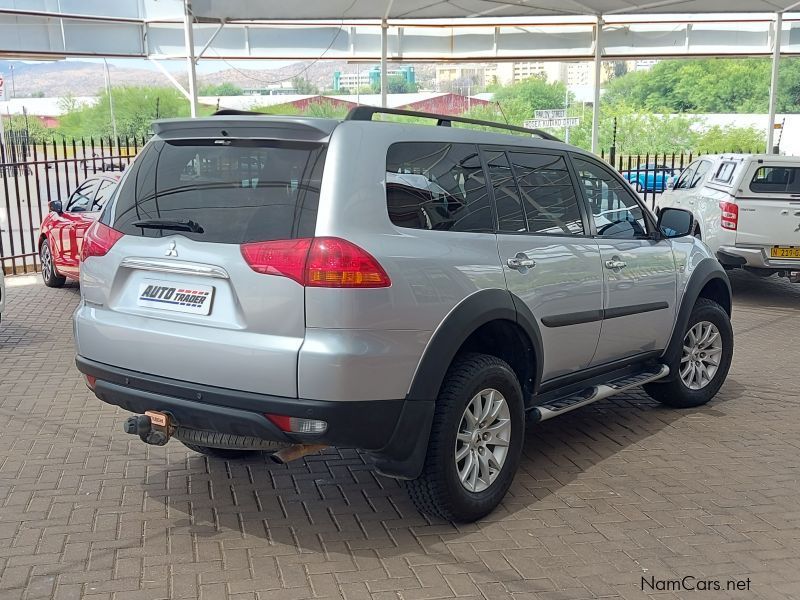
point(47, 261)
point(702, 351)
point(484, 435)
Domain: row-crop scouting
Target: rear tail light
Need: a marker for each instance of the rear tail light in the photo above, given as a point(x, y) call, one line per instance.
point(317, 262)
point(98, 240)
point(730, 215)
point(297, 424)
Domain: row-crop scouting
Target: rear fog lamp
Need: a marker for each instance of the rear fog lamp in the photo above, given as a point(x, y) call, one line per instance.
point(90, 381)
point(297, 424)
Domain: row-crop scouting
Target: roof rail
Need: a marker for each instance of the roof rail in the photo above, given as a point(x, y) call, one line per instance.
point(365, 113)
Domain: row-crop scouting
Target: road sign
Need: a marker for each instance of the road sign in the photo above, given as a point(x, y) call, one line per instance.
point(557, 113)
point(557, 122)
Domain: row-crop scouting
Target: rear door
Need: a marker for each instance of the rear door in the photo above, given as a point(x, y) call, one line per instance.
point(549, 260)
point(769, 209)
point(640, 281)
point(177, 291)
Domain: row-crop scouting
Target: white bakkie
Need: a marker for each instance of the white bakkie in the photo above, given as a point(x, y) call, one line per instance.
point(746, 209)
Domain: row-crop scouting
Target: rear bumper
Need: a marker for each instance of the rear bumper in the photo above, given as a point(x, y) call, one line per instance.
point(390, 428)
point(754, 256)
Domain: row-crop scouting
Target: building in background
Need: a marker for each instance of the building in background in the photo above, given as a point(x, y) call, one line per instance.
point(343, 80)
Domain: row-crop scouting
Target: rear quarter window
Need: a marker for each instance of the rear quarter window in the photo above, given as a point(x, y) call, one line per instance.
point(236, 191)
point(438, 186)
point(776, 180)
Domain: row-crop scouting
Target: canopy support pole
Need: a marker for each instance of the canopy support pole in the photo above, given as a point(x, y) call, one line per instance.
point(190, 61)
point(773, 89)
point(598, 63)
point(384, 55)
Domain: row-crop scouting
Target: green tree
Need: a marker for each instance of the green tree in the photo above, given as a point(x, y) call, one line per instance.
point(134, 108)
point(718, 139)
point(304, 86)
point(713, 85)
point(37, 132)
point(397, 84)
point(222, 89)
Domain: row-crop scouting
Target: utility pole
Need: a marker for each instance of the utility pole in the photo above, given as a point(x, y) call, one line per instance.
point(110, 100)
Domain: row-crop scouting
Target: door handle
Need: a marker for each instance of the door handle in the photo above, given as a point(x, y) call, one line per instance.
point(521, 262)
point(616, 263)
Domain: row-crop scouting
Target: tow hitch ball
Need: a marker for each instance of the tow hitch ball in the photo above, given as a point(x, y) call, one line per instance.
point(152, 427)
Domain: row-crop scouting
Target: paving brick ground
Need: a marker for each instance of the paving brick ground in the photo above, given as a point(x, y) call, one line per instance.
point(612, 493)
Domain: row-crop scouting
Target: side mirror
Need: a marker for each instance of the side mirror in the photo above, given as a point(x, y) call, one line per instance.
point(55, 206)
point(675, 222)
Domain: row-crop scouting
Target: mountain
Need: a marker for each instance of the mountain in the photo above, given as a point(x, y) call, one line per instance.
point(81, 78)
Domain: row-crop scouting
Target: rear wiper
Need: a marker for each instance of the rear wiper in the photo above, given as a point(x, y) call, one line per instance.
point(172, 224)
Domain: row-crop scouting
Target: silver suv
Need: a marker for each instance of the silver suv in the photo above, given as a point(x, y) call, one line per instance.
point(284, 284)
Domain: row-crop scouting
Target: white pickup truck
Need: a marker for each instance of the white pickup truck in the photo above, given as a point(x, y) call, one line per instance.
point(746, 208)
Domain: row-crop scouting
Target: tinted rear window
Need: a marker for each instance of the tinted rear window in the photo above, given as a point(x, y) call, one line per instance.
point(776, 180)
point(236, 191)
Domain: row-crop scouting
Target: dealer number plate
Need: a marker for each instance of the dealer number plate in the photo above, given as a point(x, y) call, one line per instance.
point(165, 295)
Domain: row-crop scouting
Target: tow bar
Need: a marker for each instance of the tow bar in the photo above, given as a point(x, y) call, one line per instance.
point(152, 427)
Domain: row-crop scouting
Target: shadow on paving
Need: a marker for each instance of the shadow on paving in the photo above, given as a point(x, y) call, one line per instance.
point(322, 502)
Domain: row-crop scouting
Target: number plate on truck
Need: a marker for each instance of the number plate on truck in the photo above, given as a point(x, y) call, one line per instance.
point(165, 295)
point(784, 252)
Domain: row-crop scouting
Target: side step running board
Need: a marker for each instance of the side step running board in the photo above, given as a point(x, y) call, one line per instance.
point(553, 408)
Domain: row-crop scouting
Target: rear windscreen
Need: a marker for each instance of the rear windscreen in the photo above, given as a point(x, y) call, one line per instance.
point(222, 190)
point(776, 180)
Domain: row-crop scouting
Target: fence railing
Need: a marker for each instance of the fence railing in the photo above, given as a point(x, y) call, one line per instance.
point(34, 174)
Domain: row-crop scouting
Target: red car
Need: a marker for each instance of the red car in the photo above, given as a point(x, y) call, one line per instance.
point(63, 228)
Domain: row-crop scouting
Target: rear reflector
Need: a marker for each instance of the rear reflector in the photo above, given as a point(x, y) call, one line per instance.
point(98, 240)
point(730, 215)
point(90, 381)
point(317, 262)
point(297, 424)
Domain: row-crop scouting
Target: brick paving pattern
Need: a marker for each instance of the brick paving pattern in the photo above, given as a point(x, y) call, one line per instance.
point(616, 491)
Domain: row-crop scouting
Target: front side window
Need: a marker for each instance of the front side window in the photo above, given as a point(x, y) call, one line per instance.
point(81, 199)
point(104, 192)
point(776, 180)
point(548, 196)
point(700, 174)
point(614, 210)
point(686, 177)
point(438, 186)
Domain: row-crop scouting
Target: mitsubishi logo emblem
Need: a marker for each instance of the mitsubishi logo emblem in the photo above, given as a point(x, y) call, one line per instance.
point(796, 229)
point(172, 250)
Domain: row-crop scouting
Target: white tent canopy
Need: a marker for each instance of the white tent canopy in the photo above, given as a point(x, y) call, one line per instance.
point(401, 31)
point(449, 9)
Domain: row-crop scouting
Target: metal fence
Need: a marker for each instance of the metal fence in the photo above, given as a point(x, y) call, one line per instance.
point(34, 174)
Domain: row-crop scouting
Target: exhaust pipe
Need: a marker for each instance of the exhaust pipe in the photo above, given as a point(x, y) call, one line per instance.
point(296, 451)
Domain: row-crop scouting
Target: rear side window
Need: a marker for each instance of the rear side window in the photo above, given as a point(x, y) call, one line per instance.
point(231, 191)
point(725, 172)
point(437, 185)
point(548, 195)
point(776, 180)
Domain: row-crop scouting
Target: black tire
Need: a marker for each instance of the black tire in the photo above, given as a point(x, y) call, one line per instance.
point(226, 453)
point(50, 274)
point(438, 490)
point(675, 392)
